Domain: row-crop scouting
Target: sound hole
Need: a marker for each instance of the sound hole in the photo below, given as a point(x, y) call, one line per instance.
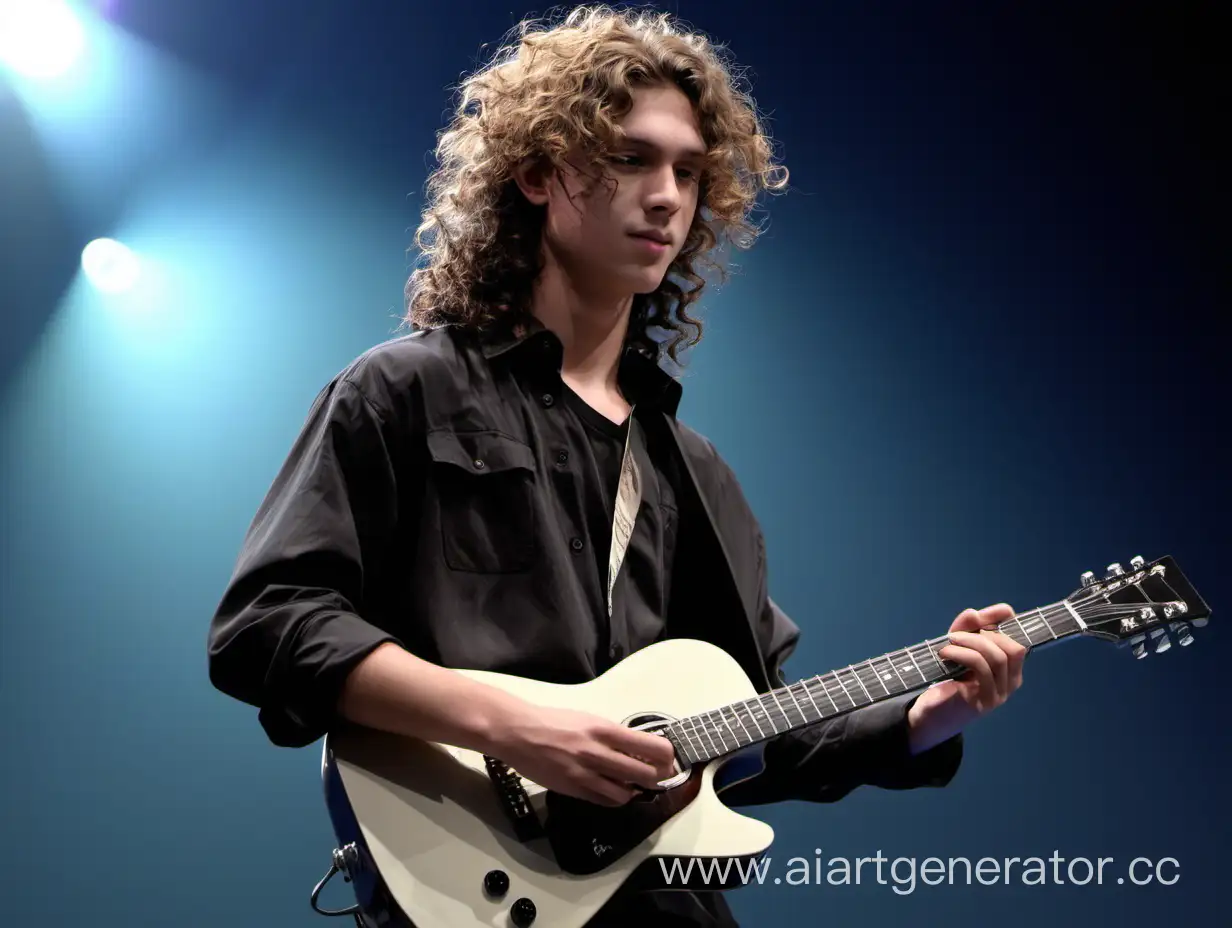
point(587, 838)
point(654, 723)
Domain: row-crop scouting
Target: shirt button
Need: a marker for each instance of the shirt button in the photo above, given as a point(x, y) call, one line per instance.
point(616, 652)
point(479, 465)
point(576, 544)
point(547, 399)
point(562, 457)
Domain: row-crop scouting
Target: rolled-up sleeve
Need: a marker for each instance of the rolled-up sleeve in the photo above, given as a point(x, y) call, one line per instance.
point(292, 622)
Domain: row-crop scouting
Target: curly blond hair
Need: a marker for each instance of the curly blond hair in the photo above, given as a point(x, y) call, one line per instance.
point(551, 90)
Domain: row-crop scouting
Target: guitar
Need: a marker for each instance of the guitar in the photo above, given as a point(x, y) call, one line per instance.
point(432, 835)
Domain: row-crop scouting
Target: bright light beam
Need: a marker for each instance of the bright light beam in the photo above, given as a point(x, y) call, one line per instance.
point(39, 39)
point(109, 265)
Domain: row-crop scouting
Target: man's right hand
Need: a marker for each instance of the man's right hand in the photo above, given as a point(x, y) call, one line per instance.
point(582, 755)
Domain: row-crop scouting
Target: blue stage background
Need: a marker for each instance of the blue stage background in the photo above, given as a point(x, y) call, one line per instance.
point(974, 355)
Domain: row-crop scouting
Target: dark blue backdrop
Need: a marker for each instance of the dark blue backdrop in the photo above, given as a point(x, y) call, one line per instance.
point(974, 355)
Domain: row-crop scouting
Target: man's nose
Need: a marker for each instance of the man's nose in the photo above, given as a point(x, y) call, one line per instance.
point(664, 192)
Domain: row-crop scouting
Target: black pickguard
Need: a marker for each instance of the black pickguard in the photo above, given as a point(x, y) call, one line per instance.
point(587, 838)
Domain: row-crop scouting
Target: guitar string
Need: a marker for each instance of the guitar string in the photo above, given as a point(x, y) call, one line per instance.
point(1028, 623)
point(702, 726)
point(838, 693)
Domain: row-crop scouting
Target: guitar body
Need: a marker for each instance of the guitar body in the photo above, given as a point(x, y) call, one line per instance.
point(434, 836)
point(429, 824)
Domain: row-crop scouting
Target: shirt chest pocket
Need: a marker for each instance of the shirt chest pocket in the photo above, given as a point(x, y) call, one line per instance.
point(485, 488)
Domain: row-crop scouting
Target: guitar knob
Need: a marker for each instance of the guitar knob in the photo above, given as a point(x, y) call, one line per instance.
point(1138, 562)
point(1115, 570)
point(496, 882)
point(523, 912)
point(1088, 578)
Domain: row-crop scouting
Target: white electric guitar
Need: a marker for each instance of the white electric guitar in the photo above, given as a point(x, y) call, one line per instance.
point(434, 836)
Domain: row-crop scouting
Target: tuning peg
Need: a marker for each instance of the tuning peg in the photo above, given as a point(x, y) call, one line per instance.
point(1115, 570)
point(1088, 578)
point(1137, 563)
point(1140, 651)
point(1163, 642)
point(1198, 623)
point(1184, 636)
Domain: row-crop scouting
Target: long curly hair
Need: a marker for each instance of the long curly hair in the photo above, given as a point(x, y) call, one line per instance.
point(553, 89)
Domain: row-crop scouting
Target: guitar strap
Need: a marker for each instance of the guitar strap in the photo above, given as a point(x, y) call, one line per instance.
point(624, 515)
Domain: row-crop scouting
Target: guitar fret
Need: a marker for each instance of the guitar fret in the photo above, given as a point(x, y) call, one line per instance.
point(687, 749)
point(735, 737)
point(840, 683)
point(792, 696)
point(689, 739)
point(855, 674)
point(712, 732)
point(780, 708)
point(923, 679)
point(817, 708)
point(715, 732)
point(700, 734)
point(877, 677)
point(752, 707)
point(900, 676)
point(749, 711)
point(697, 736)
point(884, 677)
point(704, 743)
point(826, 689)
point(1023, 630)
point(1028, 627)
point(736, 713)
point(770, 715)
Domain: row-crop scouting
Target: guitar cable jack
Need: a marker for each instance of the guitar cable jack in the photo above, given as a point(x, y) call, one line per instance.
point(345, 859)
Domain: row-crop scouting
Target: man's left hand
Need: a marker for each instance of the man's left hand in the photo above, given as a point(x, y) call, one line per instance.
point(994, 662)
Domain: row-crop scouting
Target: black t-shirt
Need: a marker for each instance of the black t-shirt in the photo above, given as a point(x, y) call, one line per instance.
point(639, 599)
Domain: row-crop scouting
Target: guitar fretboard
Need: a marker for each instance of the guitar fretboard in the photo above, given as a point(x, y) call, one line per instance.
point(713, 734)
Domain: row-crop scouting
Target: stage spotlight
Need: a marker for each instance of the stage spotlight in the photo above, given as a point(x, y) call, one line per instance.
point(109, 265)
point(39, 38)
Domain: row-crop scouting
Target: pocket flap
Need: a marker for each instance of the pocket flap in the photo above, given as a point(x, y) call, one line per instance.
point(480, 452)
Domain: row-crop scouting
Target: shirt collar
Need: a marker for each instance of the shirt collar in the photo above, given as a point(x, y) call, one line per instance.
point(643, 382)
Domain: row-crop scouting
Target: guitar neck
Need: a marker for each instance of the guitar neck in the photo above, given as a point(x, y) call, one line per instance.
point(721, 731)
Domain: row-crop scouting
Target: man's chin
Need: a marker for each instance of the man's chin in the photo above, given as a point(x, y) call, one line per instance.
point(637, 281)
point(648, 283)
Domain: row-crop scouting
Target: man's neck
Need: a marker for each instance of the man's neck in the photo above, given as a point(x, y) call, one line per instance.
point(592, 330)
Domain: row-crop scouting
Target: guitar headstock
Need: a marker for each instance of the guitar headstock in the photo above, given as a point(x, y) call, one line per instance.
point(1147, 606)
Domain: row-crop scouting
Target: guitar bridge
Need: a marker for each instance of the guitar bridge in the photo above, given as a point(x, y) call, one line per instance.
point(514, 800)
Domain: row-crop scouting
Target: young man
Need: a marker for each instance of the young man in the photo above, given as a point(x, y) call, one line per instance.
point(451, 501)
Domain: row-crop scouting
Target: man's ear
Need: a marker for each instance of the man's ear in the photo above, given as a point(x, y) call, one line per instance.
point(533, 176)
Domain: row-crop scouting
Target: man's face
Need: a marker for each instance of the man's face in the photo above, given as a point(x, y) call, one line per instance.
point(603, 234)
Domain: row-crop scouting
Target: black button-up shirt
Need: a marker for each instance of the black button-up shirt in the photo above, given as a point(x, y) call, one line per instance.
point(445, 494)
